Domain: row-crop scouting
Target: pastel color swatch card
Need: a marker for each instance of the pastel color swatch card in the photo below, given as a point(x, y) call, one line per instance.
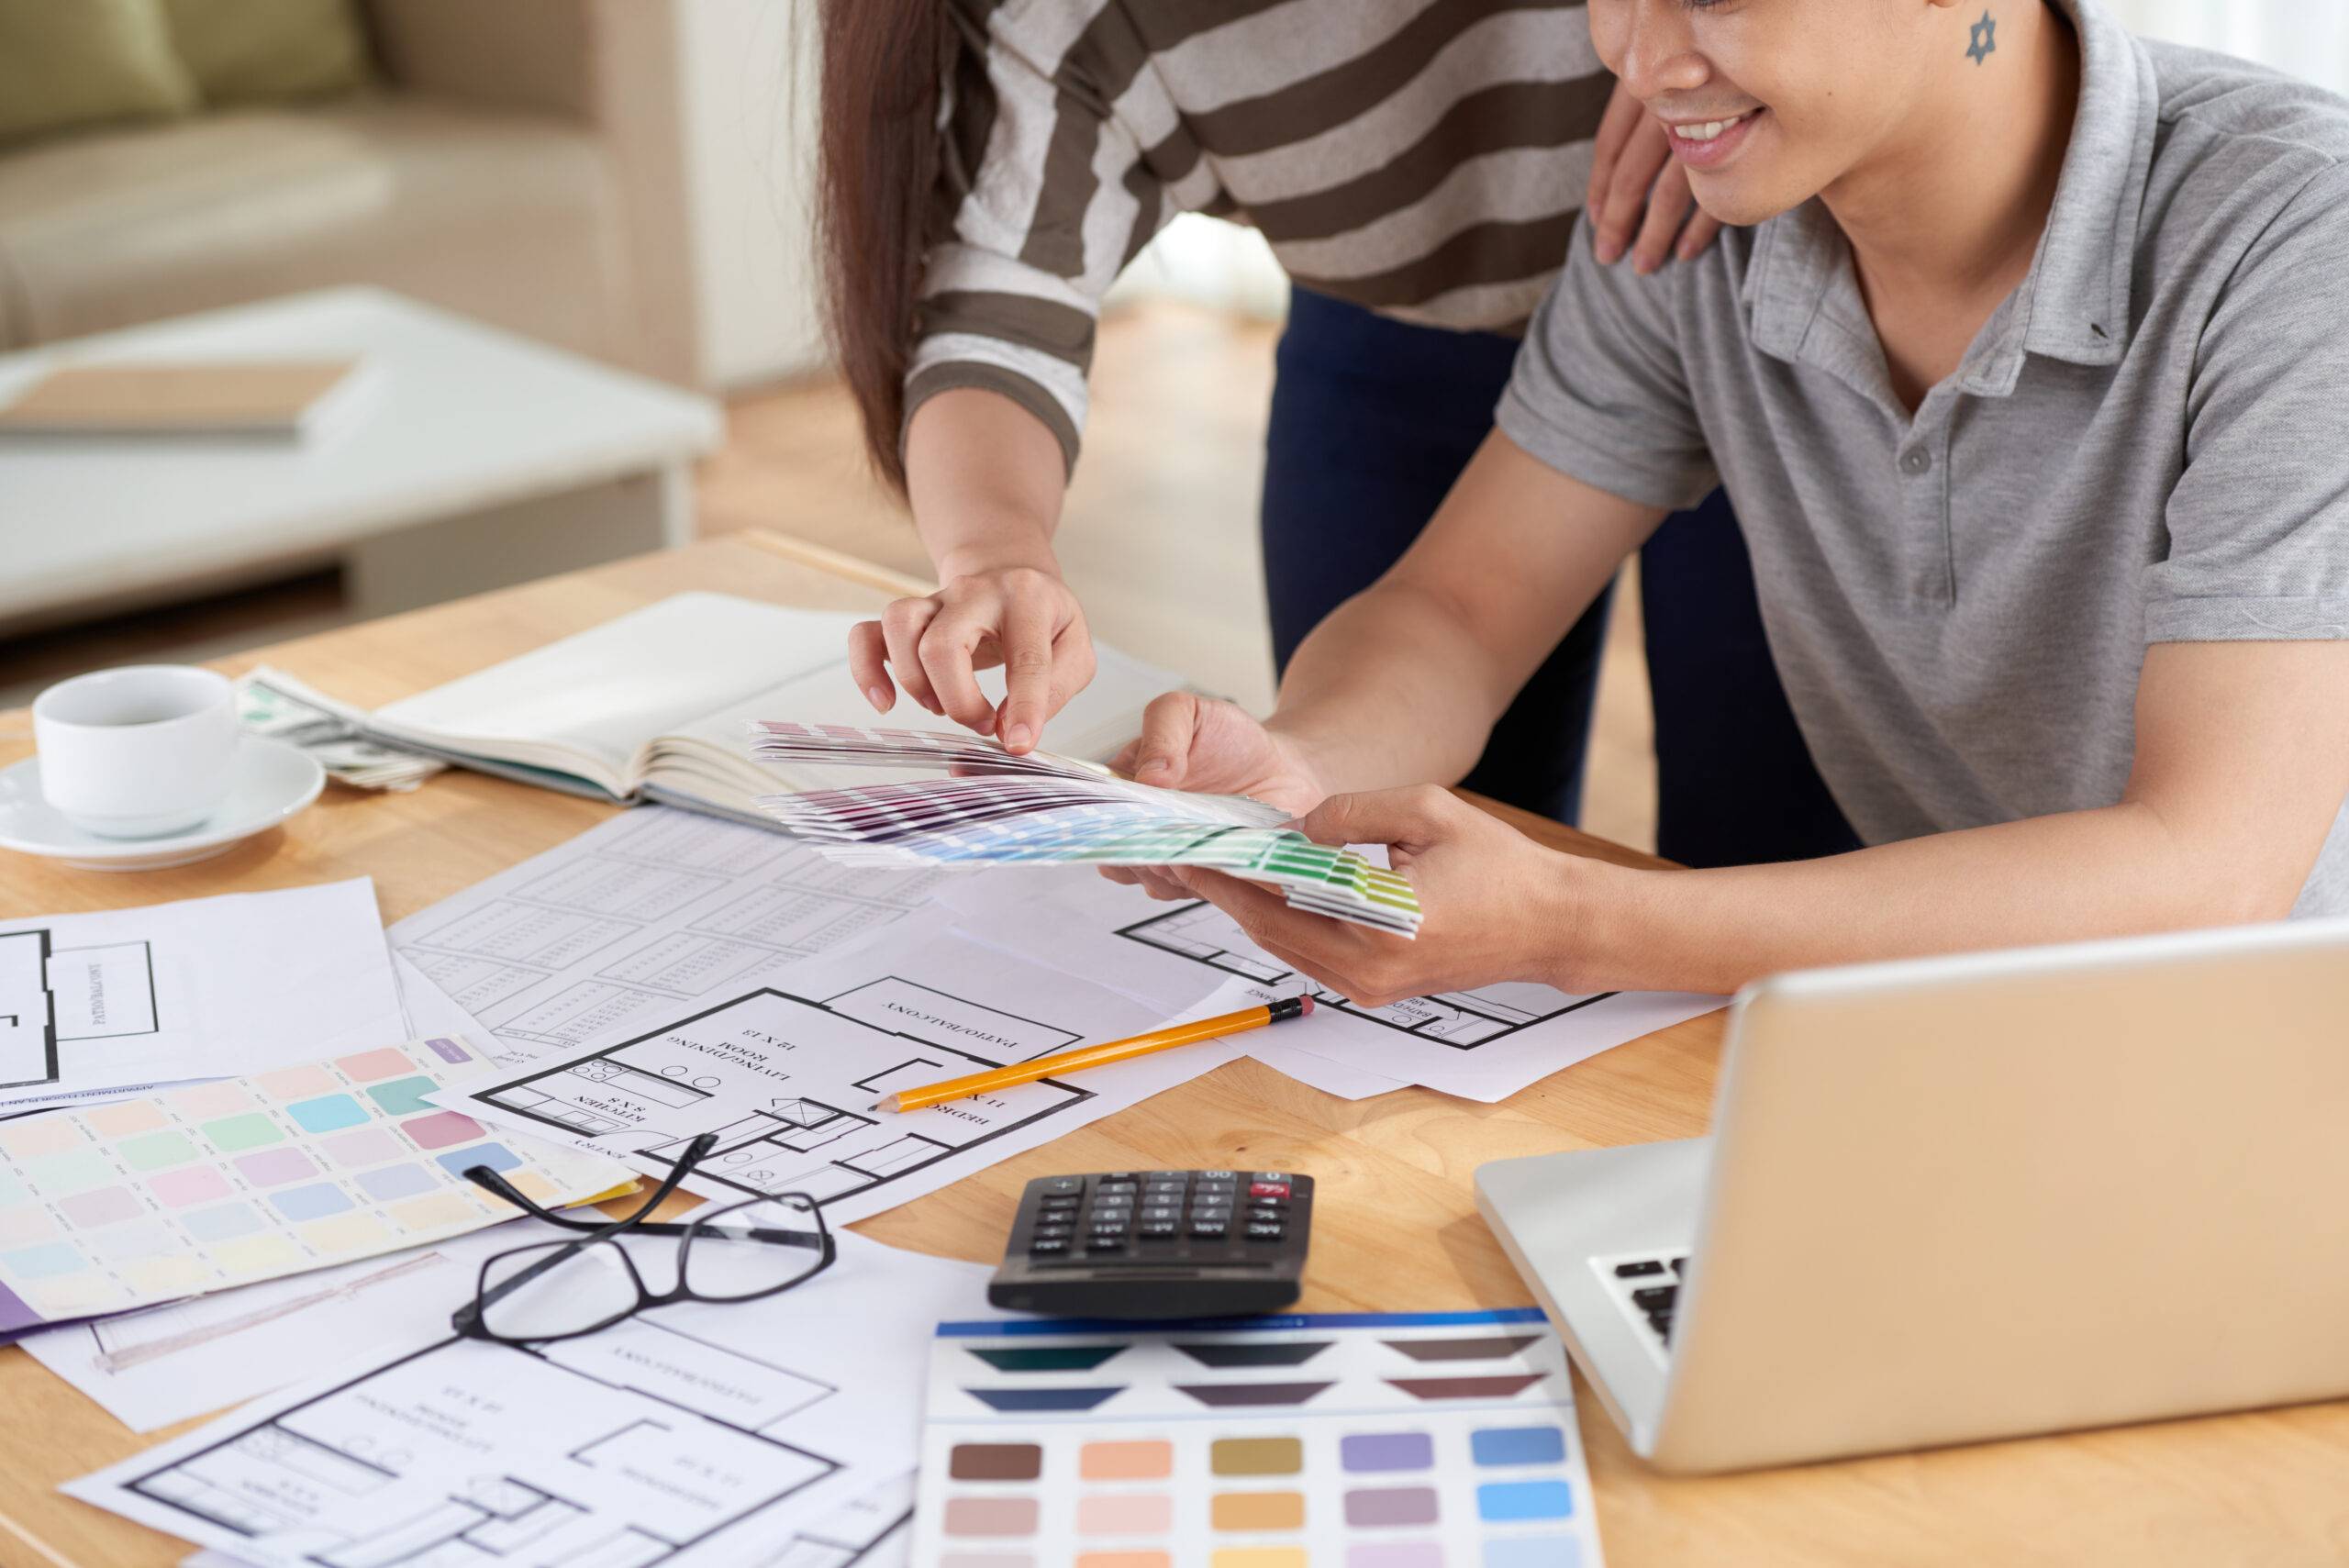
point(224, 1182)
point(1440, 1440)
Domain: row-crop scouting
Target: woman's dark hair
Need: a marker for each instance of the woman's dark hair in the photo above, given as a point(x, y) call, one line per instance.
point(883, 61)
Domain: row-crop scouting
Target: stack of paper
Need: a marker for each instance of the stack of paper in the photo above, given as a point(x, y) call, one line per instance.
point(997, 808)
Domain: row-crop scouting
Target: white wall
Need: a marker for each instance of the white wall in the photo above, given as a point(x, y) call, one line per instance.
point(2308, 37)
point(750, 139)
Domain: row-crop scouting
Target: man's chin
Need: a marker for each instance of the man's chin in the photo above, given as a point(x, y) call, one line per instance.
point(1738, 200)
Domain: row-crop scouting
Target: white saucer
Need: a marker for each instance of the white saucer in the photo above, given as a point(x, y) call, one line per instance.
point(273, 781)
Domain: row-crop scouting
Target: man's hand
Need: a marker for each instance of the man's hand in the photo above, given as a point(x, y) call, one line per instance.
point(1198, 744)
point(1639, 199)
point(1022, 618)
point(1497, 905)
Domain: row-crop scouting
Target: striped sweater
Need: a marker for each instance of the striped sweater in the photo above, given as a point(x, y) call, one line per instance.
point(1423, 158)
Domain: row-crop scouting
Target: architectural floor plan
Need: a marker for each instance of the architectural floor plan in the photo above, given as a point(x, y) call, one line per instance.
point(786, 1073)
point(619, 928)
point(52, 996)
point(694, 1434)
point(1461, 1019)
point(27, 1011)
point(207, 987)
point(1482, 1043)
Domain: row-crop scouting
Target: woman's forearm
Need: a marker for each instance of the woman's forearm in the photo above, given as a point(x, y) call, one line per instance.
point(2080, 874)
point(986, 480)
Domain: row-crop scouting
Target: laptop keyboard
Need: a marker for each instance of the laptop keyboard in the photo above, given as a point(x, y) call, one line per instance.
point(1648, 1287)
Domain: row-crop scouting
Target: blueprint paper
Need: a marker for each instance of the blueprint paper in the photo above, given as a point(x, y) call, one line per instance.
point(1322, 1072)
point(160, 1366)
point(1482, 1044)
point(206, 1186)
point(431, 1010)
point(788, 1073)
point(203, 988)
point(749, 1434)
point(639, 920)
point(875, 1530)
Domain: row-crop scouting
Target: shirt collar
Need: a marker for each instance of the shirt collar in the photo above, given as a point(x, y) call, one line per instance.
point(2075, 303)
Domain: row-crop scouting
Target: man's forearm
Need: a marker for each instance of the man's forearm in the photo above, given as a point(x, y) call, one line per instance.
point(1402, 685)
point(1393, 689)
point(2076, 875)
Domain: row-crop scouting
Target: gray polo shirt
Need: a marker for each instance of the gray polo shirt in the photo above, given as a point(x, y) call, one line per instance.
point(2147, 442)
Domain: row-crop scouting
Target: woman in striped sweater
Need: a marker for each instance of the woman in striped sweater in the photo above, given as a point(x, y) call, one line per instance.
point(990, 166)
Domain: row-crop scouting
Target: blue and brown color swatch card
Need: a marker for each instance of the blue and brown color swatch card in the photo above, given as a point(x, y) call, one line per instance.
point(1356, 1441)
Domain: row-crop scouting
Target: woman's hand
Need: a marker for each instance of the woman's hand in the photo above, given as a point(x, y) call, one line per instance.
point(1497, 906)
point(1198, 743)
point(1020, 616)
point(1639, 197)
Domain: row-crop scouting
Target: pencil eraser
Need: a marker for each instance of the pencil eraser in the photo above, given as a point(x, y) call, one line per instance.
point(1307, 1011)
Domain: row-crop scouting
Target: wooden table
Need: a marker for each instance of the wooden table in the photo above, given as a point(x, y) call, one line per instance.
point(1396, 1220)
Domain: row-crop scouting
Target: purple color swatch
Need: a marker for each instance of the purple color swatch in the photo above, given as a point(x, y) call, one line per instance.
point(1371, 1452)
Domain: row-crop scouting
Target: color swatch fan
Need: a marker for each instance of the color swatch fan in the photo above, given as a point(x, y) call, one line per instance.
point(995, 808)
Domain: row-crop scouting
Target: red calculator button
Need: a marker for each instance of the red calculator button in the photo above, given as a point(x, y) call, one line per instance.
point(1268, 1189)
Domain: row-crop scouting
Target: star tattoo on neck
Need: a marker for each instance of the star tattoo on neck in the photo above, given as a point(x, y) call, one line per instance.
point(1982, 40)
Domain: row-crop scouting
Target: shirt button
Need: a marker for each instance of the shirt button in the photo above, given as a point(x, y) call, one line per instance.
point(1916, 461)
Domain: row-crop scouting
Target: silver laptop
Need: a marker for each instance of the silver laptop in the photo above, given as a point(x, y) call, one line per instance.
point(1973, 1197)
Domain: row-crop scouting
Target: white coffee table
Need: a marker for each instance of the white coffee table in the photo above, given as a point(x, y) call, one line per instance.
point(471, 459)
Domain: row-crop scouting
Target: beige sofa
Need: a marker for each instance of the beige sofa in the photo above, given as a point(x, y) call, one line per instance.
point(522, 163)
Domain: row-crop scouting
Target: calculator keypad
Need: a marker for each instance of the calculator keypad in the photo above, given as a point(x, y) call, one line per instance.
point(1157, 1216)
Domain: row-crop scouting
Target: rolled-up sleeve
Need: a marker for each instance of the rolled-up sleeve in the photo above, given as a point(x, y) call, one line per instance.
point(2259, 521)
point(1042, 198)
point(1600, 391)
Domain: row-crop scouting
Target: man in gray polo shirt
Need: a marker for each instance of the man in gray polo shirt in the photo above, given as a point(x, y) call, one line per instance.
point(2029, 387)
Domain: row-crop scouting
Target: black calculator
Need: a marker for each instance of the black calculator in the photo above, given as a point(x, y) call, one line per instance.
point(1140, 1244)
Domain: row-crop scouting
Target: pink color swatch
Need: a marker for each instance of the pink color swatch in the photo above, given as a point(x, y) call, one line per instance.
point(274, 1167)
point(197, 1183)
point(441, 1129)
point(369, 1066)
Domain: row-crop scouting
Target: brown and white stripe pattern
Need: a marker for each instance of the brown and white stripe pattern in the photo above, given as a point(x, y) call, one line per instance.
point(1424, 158)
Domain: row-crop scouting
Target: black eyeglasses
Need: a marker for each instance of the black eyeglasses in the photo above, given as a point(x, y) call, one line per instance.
point(560, 1290)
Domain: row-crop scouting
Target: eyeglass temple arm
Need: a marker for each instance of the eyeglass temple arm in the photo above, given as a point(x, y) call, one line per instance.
point(482, 1176)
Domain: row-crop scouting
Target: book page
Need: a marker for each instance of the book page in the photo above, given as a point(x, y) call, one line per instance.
point(591, 703)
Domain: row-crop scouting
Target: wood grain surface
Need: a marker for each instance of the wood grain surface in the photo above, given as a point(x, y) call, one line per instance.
point(1396, 1226)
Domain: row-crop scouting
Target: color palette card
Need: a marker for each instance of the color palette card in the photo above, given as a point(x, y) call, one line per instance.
point(222, 1183)
point(1439, 1440)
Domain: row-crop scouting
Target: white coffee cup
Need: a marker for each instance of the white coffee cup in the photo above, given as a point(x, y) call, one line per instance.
point(139, 752)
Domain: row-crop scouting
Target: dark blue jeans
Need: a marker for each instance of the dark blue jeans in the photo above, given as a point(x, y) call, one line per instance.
point(1372, 421)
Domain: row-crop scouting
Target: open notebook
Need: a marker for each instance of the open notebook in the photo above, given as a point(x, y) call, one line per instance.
point(657, 704)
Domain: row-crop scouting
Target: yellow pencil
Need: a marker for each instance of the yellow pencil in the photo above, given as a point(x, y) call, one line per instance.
point(1099, 1055)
